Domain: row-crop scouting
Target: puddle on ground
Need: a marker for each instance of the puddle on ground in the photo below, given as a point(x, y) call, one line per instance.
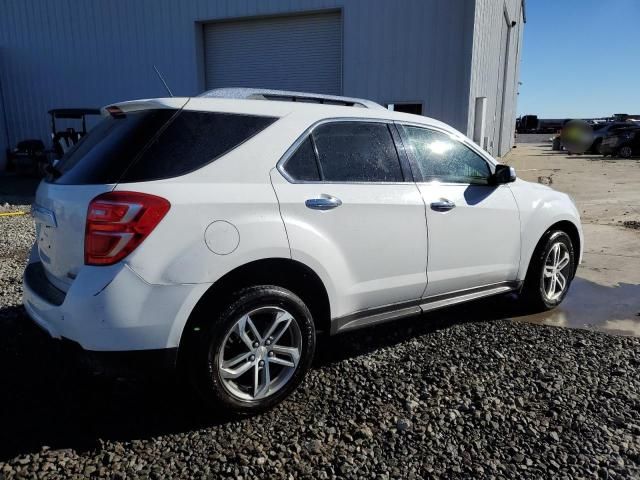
point(590, 305)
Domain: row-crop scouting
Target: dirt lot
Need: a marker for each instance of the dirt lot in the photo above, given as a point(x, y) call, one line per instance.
point(606, 292)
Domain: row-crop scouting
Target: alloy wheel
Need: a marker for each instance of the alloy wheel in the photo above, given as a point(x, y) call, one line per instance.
point(625, 152)
point(260, 353)
point(556, 274)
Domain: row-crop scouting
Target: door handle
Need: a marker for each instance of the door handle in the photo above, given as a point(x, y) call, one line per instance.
point(442, 205)
point(324, 202)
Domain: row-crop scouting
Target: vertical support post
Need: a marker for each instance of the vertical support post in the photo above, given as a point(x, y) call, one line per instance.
point(479, 122)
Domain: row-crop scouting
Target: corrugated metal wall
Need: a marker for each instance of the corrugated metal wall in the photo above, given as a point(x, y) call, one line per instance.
point(75, 53)
point(488, 68)
point(4, 141)
point(419, 52)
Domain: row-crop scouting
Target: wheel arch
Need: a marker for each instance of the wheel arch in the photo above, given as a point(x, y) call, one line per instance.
point(571, 230)
point(283, 272)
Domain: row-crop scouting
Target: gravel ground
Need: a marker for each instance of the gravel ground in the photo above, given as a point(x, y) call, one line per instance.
point(16, 237)
point(436, 397)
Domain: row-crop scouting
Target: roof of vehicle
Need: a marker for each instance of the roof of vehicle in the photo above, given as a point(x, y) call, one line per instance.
point(288, 96)
point(294, 118)
point(277, 108)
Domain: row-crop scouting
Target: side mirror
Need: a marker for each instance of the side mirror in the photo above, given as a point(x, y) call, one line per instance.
point(504, 174)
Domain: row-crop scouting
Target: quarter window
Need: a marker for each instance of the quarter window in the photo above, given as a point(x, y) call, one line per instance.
point(440, 157)
point(303, 165)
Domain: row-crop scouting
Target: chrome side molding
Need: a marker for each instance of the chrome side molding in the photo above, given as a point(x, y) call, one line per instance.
point(396, 311)
point(436, 302)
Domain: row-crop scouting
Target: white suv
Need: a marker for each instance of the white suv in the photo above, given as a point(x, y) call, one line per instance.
point(221, 232)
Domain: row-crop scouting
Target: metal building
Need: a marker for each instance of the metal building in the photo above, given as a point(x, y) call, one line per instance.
point(454, 60)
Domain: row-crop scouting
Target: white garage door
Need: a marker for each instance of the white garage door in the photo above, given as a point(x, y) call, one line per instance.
point(302, 53)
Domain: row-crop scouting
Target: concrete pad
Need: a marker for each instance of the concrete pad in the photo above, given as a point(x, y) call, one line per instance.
point(606, 292)
point(611, 255)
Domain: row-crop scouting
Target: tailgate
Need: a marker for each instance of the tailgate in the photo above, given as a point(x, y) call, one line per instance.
point(60, 213)
point(91, 167)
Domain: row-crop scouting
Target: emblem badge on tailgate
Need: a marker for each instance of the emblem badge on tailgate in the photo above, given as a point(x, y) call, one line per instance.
point(44, 216)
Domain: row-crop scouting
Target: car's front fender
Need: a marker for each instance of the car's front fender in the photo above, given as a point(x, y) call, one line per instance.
point(540, 208)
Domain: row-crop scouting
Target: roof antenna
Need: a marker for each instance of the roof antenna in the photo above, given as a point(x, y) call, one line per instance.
point(162, 80)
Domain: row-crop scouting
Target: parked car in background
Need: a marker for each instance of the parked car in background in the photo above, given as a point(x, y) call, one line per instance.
point(601, 130)
point(622, 142)
point(219, 233)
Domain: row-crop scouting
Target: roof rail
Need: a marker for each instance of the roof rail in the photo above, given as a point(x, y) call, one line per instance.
point(287, 96)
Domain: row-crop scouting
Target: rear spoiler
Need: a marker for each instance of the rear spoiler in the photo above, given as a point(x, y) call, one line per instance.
point(175, 103)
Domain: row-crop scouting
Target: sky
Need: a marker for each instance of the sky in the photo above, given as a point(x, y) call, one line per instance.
point(580, 58)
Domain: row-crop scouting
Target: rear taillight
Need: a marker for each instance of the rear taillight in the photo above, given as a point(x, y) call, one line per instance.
point(117, 222)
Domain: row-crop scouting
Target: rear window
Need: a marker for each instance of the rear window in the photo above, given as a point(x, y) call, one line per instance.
point(155, 144)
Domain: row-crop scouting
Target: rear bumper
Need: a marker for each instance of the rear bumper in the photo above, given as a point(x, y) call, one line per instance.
point(135, 362)
point(110, 309)
point(131, 363)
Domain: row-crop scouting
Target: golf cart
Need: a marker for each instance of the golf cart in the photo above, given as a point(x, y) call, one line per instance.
point(63, 140)
point(30, 156)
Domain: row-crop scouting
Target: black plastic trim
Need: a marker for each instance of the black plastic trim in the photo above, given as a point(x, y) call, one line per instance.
point(129, 363)
point(36, 280)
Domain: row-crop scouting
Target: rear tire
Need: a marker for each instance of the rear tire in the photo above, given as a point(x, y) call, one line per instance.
point(256, 352)
point(550, 272)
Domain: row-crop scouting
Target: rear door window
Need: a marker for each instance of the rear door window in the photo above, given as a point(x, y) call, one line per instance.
point(155, 144)
point(357, 152)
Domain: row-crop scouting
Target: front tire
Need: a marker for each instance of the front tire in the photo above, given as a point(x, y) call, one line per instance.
point(551, 271)
point(256, 352)
point(625, 152)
